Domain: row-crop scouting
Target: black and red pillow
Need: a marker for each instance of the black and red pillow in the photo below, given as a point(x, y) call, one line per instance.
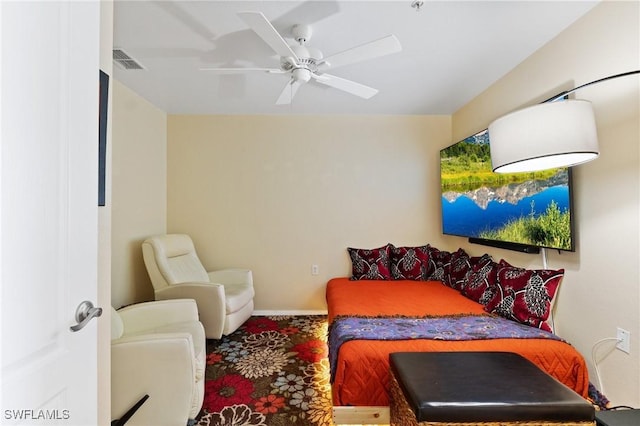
point(370, 264)
point(439, 264)
point(459, 269)
point(481, 281)
point(410, 263)
point(525, 295)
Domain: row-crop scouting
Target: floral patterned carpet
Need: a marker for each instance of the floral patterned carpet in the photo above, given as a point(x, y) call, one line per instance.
point(272, 371)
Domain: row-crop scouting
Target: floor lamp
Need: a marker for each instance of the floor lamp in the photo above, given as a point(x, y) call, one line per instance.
point(558, 132)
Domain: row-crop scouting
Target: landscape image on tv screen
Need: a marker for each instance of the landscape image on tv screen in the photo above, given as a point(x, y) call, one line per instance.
point(532, 209)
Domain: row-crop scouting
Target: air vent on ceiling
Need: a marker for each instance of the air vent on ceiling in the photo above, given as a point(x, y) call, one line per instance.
point(125, 61)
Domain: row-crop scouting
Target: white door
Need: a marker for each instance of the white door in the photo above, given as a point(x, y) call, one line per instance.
point(48, 210)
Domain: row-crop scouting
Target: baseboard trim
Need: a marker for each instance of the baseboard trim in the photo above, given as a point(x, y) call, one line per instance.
point(292, 312)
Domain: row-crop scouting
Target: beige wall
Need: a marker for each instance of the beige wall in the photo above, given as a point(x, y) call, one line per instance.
point(601, 289)
point(139, 199)
point(279, 193)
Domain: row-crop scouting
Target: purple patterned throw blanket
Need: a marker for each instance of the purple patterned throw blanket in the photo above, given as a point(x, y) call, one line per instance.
point(457, 327)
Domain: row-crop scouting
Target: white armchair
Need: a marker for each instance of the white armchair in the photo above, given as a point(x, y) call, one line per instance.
point(157, 349)
point(224, 298)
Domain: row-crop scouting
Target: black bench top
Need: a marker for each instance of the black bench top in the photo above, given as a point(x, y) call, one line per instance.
point(618, 418)
point(483, 387)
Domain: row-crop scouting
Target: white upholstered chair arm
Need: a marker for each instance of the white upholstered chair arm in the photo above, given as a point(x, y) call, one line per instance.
point(144, 364)
point(196, 291)
point(208, 294)
point(231, 276)
point(143, 316)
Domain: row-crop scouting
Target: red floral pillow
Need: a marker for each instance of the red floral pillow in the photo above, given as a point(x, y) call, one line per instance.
point(525, 295)
point(477, 260)
point(439, 264)
point(409, 263)
point(480, 285)
point(459, 268)
point(370, 264)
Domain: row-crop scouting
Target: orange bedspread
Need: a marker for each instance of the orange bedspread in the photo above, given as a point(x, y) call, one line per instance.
point(362, 372)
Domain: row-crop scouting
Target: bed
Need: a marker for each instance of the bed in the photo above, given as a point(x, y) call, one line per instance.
point(360, 367)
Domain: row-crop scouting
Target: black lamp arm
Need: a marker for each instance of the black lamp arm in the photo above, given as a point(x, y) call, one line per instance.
point(567, 92)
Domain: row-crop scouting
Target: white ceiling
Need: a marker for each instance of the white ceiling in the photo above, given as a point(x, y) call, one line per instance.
point(452, 51)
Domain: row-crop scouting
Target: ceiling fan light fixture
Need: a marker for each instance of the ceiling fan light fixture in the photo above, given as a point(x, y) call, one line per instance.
point(301, 75)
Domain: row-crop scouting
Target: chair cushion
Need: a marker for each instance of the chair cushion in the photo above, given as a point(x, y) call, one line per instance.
point(197, 335)
point(484, 387)
point(177, 260)
point(183, 269)
point(237, 296)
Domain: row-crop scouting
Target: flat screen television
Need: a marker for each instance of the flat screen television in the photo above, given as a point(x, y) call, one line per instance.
point(518, 211)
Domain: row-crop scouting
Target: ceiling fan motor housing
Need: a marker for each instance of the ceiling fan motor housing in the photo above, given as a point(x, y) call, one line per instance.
point(306, 63)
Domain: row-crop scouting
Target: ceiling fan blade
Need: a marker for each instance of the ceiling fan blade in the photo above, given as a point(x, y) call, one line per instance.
point(261, 26)
point(373, 49)
point(288, 93)
point(349, 86)
point(242, 70)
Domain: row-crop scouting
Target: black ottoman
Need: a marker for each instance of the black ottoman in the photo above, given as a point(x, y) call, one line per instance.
point(479, 388)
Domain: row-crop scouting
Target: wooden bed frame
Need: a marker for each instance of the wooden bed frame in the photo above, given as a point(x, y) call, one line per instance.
point(375, 415)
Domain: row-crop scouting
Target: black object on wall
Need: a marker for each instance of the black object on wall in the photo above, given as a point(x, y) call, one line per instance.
point(102, 137)
point(506, 245)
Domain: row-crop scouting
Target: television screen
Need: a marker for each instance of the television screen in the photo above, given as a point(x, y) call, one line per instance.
point(529, 209)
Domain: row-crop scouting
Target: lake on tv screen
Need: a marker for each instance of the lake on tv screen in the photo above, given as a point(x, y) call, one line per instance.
point(469, 214)
point(527, 208)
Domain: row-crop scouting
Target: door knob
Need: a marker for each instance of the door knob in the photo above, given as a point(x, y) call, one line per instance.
point(85, 313)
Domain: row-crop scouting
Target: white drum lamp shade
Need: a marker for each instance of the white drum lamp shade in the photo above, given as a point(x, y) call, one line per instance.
point(544, 136)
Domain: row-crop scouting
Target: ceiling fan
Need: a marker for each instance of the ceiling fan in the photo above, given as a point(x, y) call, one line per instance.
point(305, 63)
